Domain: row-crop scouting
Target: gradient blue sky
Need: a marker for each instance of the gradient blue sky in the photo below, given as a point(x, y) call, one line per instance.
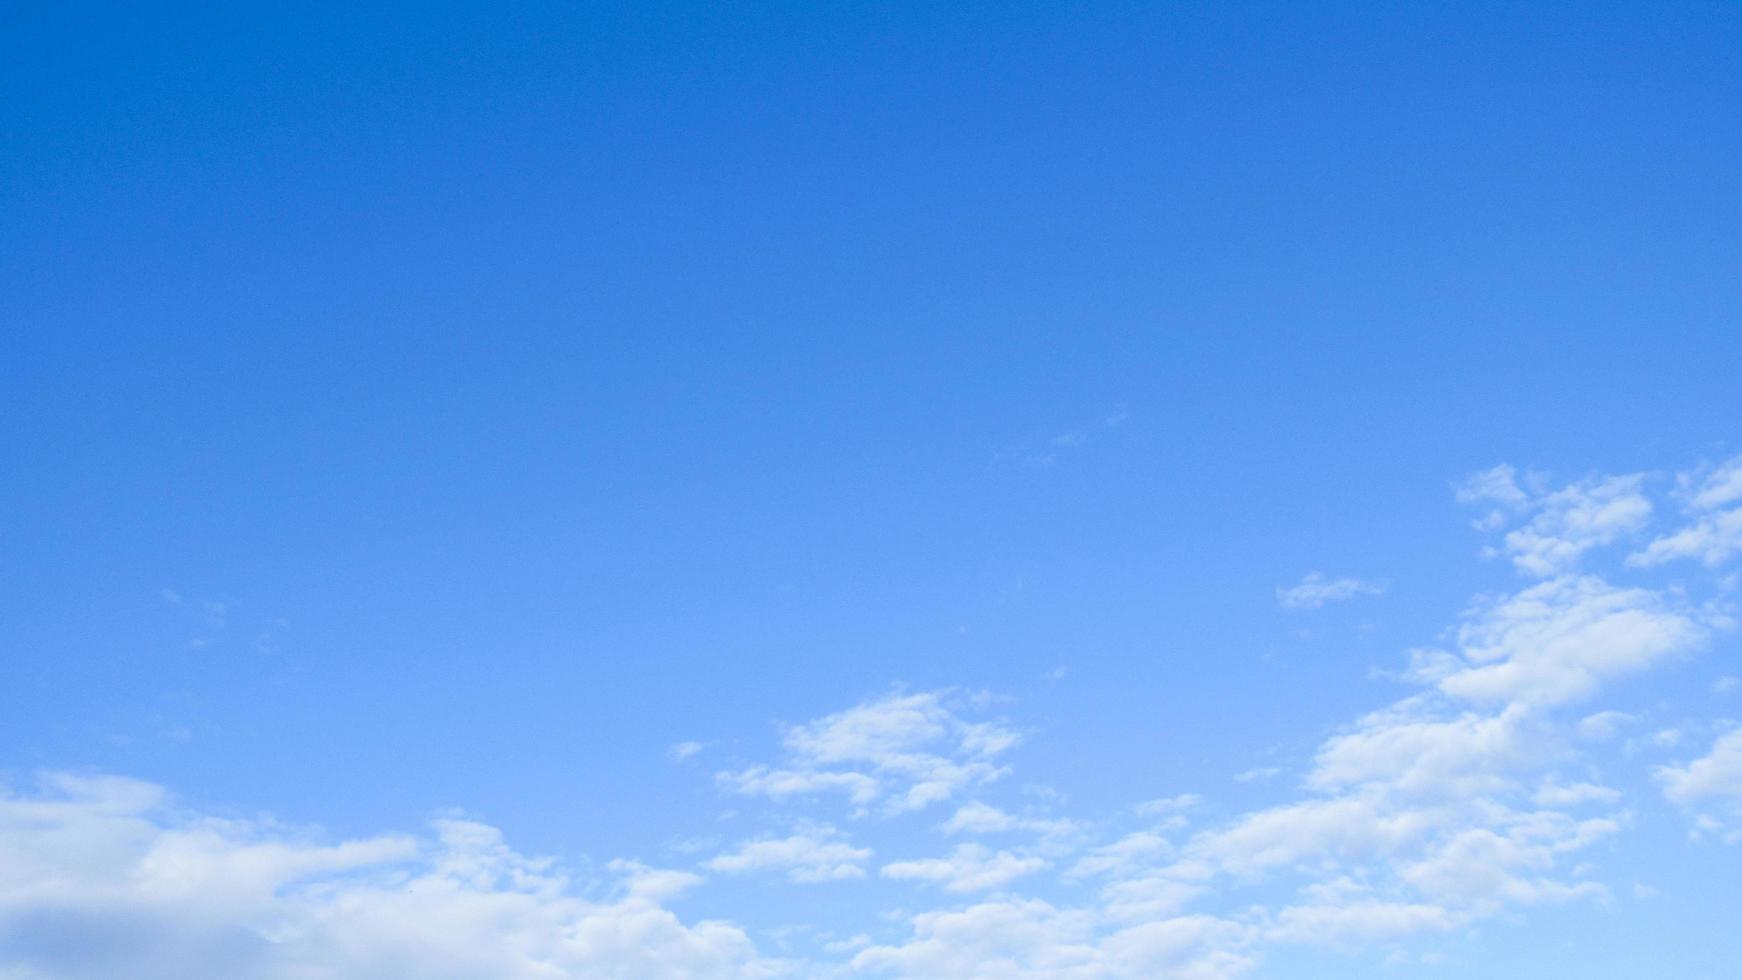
point(442, 409)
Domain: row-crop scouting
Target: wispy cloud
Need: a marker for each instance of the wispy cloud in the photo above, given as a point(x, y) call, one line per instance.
point(968, 868)
point(1045, 450)
point(906, 750)
point(1712, 783)
point(1472, 794)
point(815, 854)
point(1556, 528)
point(1714, 532)
point(1317, 589)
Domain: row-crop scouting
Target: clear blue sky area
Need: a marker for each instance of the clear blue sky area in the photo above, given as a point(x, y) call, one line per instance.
point(652, 431)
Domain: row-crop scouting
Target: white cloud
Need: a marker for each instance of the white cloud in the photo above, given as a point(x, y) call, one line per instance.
point(814, 854)
point(1561, 639)
point(997, 939)
point(1715, 778)
point(1716, 488)
point(1288, 836)
point(1712, 540)
point(1167, 807)
point(1315, 590)
point(1359, 923)
point(1147, 898)
point(1486, 867)
point(1141, 849)
point(1604, 725)
point(1715, 534)
point(109, 880)
point(1562, 525)
point(1493, 486)
point(1034, 940)
point(1557, 795)
point(1407, 749)
point(1471, 797)
point(979, 818)
point(969, 868)
point(982, 818)
point(780, 784)
point(911, 750)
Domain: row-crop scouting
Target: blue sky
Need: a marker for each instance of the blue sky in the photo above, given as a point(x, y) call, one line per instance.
point(870, 491)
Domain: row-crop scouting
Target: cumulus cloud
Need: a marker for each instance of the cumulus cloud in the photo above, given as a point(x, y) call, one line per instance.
point(982, 818)
point(1138, 849)
point(1714, 532)
point(1033, 939)
point(906, 750)
point(1603, 725)
point(1558, 795)
point(1316, 589)
point(968, 868)
point(1560, 640)
point(1358, 923)
point(103, 877)
point(1714, 779)
point(1471, 796)
point(1559, 527)
point(812, 855)
point(1409, 749)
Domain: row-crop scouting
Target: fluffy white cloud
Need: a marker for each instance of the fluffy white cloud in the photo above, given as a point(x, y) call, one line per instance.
point(1560, 640)
point(909, 750)
point(1715, 778)
point(1358, 923)
point(979, 818)
point(1486, 867)
point(1140, 849)
point(1469, 798)
point(1033, 940)
point(815, 854)
point(103, 878)
point(1557, 795)
point(1406, 748)
point(1019, 939)
point(982, 818)
point(1716, 488)
point(1561, 525)
point(1168, 807)
point(1315, 831)
point(1712, 540)
point(1315, 590)
point(968, 868)
point(1715, 533)
point(1603, 725)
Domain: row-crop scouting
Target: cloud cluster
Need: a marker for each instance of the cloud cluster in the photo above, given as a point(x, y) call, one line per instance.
point(1470, 795)
point(1711, 781)
point(968, 868)
point(904, 751)
point(103, 877)
point(1713, 503)
point(1316, 589)
point(814, 854)
point(1560, 640)
point(1449, 806)
point(1558, 526)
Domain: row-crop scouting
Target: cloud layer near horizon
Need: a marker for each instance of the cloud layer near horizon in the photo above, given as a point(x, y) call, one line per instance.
point(1472, 794)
